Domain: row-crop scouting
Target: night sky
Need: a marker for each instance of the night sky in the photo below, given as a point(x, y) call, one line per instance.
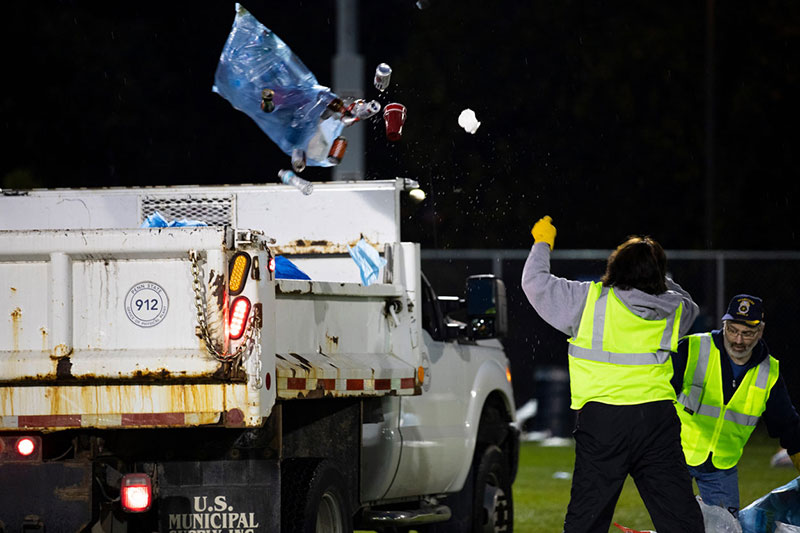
point(595, 113)
point(673, 119)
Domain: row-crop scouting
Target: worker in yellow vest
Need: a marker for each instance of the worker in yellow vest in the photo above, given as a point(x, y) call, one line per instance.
point(622, 330)
point(726, 381)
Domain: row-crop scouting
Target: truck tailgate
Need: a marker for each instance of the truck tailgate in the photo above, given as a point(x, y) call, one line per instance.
point(107, 304)
point(100, 329)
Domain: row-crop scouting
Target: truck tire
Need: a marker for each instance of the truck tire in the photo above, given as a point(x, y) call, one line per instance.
point(485, 504)
point(314, 498)
point(493, 506)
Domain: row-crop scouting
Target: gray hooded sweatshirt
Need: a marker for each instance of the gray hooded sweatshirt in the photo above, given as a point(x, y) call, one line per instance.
point(560, 301)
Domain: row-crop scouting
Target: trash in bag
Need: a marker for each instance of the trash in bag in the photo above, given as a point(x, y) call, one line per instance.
point(786, 528)
point(780, 505)
point(260, 76)
point(285, 269)
point(368, 260)
point(157, 220)
point(717, 519)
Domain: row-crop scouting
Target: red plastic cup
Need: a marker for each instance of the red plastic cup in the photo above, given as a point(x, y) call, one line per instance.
point(394, 115)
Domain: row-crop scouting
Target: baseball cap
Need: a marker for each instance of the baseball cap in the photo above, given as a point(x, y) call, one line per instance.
point(745, 308)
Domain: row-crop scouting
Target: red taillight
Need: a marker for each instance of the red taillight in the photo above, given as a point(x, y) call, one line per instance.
point(240, 310)
point(20, 449)
point(136, 493)
point(271, 264)
point(25, 446)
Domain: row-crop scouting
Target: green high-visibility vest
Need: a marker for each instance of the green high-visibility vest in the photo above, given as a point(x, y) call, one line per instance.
point(618, 357)
point(708, 425)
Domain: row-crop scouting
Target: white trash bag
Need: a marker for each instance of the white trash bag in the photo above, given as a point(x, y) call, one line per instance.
point(717, 519)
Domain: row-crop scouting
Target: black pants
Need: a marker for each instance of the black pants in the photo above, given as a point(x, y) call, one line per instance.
point(612, 441)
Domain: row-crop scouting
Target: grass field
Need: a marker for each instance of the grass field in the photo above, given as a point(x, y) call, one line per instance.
point(541, 494)
point(541, 491)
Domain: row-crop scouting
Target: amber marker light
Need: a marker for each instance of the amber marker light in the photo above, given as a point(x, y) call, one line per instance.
point(237, 275)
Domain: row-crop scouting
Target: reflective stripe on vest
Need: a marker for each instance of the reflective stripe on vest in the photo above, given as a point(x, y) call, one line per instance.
point(596, 352)
point(707, 425)
point(691, 401)
point(617, 357)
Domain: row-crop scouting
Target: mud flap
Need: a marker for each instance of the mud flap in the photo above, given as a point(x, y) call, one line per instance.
point(225, 496)
point(52, 496)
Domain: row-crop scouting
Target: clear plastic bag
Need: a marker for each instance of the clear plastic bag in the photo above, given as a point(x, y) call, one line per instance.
point(254, 59)
point(780, 505)
point(717, 519)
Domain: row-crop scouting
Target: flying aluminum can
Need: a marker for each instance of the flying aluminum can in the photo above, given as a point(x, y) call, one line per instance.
point(364, 110)
point(383, 74)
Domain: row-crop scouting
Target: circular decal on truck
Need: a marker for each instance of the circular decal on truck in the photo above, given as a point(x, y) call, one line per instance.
point(146, 304)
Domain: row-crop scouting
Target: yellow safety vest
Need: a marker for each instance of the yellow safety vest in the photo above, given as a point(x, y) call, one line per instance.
point(708, 425)
point(618, 357)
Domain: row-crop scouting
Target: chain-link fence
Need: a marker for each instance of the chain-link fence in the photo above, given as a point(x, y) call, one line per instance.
point(538, 352)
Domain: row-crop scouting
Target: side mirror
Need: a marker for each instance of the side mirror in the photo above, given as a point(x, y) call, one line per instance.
point(486, 307)
point(454, 312)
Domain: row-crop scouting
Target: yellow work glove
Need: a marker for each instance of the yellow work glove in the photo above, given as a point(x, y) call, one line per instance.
point(796, 460)
point(544, 231)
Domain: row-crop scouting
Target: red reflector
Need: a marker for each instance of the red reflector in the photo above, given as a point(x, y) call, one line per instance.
point(136, 493)
point(240, 310)
point(26, 446)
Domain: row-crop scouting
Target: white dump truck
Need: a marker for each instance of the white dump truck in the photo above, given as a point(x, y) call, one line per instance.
point(170, 379)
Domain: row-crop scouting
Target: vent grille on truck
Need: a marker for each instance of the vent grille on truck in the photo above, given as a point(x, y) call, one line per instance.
point(213, 210)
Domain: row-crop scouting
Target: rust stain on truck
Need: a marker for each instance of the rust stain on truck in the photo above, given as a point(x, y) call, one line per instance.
point(60, 351)
point(180, 405)
point(216, 283)
point(331, 343)
point(16, 317)
point(64, 368)
point(314, 246)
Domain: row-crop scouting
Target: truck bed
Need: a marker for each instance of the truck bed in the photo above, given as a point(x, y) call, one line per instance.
point(81, 348)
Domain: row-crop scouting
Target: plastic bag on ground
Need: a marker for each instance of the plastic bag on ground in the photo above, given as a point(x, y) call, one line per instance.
point(717, 519)
point(781, 505)
point(786, 528)
point(254, 59)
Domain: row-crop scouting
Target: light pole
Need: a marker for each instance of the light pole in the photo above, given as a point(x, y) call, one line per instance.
point(348, 82)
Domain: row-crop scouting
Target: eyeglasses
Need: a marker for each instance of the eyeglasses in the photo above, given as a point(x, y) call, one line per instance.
point(747, 334)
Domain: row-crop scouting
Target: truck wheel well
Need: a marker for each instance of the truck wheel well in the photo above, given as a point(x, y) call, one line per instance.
point(494, 421)
point(495, 428)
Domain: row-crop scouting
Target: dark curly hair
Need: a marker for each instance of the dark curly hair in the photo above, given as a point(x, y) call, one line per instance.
point(638, 263)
